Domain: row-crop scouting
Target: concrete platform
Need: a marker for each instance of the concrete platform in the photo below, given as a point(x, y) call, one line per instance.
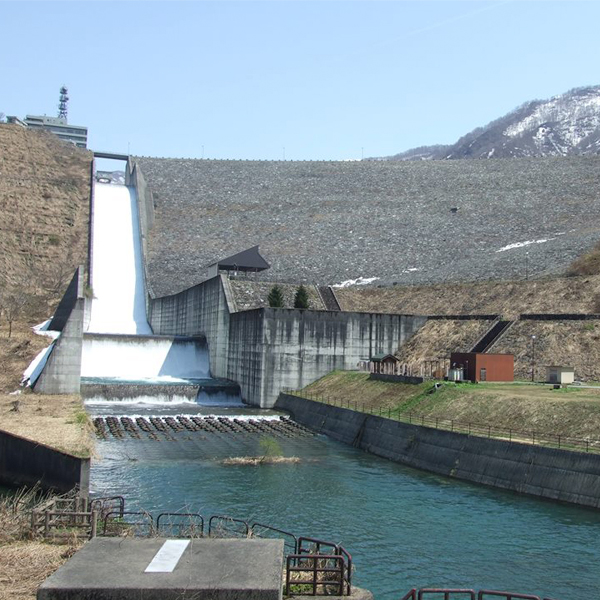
point(207, 569)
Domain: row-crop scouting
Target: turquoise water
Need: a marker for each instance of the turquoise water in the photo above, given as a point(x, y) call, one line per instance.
point(403, 527)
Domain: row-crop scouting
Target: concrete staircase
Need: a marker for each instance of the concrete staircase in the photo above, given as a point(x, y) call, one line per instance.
point(328, 297)
point(496, 331)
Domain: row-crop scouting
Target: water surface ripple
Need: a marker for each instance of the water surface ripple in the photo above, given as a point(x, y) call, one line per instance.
point(403, 527)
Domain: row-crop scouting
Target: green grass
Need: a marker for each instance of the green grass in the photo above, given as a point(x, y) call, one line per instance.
point(519, 406)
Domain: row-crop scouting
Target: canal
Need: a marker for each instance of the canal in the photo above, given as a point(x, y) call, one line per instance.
point(403, 527)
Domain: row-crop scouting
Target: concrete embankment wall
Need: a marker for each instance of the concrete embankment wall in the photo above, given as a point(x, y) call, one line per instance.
point(544, 472)
point(61, 375)
point(268, 349)
point(301, 345)
point(200, 310)
point(23, 462)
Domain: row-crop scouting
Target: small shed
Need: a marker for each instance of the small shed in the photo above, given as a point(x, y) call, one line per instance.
point(562, 375)
point(247, 261)
point(479, 366)
point(384, 363)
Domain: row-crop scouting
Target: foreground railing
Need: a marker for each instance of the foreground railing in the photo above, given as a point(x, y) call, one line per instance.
point(488, 431)
point(313, 567)
point(318, 568)
point(465, 594)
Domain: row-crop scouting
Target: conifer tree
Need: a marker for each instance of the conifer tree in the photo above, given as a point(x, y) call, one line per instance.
point(301, 298)
point(275, 298)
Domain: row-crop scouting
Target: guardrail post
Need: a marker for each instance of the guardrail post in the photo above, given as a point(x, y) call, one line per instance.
point(559, 441)
point(94, 519)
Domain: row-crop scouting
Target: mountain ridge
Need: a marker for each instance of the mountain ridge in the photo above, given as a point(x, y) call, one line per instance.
point(564, 125)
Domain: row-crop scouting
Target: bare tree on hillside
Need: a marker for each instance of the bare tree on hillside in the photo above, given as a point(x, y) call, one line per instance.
point(15, 303)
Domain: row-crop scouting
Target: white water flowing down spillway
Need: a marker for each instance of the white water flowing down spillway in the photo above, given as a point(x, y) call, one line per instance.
point(119, 343)
point(119, 304)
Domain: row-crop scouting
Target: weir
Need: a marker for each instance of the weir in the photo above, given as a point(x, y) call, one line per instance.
point(121, 358)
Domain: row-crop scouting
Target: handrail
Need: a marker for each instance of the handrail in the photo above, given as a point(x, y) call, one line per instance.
point(191, 525)
point(225, 518)
point(320, 566)
point(121, 515)
point(99, 503)
point(287, 534)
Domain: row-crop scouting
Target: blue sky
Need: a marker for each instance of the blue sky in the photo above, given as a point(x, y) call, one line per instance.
point(324, 80)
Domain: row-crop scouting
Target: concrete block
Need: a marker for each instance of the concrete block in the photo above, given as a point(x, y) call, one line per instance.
point(208, 569)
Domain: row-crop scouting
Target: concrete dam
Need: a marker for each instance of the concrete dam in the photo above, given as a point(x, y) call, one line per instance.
point(121, 359)
point(120, 333)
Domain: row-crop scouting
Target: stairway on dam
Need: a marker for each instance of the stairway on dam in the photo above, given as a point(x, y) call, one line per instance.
point(122, 360)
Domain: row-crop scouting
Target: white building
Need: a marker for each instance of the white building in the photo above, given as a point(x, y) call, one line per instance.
point(70, 133)
point(562, 375)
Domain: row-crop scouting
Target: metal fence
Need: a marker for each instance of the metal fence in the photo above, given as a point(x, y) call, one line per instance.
point(537, 438)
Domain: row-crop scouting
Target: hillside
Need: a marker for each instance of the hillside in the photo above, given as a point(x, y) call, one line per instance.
point(509, 298)
point(565, 125)
point(44, 216)
point(400, 222)
point(573, 413)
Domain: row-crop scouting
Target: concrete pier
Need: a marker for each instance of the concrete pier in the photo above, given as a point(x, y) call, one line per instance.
point(151, 569)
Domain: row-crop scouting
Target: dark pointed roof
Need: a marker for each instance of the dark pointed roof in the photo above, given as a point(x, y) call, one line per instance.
point(247, 260)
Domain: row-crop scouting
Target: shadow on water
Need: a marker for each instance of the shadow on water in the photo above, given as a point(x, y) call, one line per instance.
point(404, 527)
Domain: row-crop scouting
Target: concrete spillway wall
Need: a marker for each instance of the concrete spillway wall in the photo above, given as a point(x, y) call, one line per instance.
point(544, 472)
point(144, 357)
point(268, 349)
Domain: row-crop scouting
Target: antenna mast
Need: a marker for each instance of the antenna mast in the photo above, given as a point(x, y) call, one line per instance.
point(62, 105)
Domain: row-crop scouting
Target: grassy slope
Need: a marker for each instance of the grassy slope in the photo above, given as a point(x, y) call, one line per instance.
point(520, 406)
point(56, 421)
point(44, 215)
point(509, 298)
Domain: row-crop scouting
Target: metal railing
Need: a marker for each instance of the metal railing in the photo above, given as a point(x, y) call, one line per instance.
point(224, 526)
point(319, 568)
point(121, 523)
point(313, 566)
point(290, 541)
point(182, 525)
point(315, 575)
point(506, 434)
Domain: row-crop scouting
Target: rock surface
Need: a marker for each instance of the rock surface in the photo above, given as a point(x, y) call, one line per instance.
point(406, 222)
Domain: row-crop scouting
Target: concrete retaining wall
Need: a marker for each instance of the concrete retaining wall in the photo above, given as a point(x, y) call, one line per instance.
point(268, 349)
point(544, 472)
point(200, 310)
point(62, 373)
point(23, 462)
point(301, 345)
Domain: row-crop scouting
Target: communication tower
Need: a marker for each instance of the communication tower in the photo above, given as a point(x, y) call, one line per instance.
point(62, 105)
